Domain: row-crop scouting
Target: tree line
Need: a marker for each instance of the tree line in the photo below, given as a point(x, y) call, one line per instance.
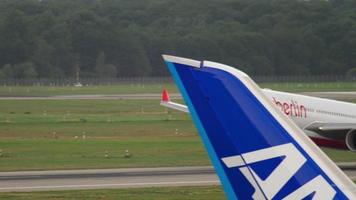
point(125, 38)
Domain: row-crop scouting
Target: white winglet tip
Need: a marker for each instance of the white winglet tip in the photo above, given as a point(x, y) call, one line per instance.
point(180, 60)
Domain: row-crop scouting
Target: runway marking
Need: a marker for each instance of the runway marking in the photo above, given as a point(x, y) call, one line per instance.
point(110, 185)
point(137, 182)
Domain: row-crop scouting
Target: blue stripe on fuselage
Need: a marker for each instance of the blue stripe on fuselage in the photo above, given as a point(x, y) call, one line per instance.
point(231, 121)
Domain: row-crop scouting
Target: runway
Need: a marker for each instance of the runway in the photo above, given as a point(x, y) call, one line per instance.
point(333, 95)
point(107, 178)
point(114, 178)
point(148, 96)
point(157, 96)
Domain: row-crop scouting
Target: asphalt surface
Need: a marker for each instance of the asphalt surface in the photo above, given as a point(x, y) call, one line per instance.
point(96, 96)
point(106, 178)
point(333, 95)
point(114, 178)
point(157, 96)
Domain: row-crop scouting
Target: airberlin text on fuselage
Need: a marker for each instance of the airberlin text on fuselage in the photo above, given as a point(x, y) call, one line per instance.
point(291, 108)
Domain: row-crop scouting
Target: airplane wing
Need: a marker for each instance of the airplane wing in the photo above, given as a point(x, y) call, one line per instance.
point(344, 132)
point(257, 152)
point(166, 101)
point(321, 127)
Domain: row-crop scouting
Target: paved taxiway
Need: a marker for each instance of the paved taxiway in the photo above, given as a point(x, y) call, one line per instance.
point(113, 178)
point(333, 95)
point(157, 96)
point(107, 178)
point(96, 96)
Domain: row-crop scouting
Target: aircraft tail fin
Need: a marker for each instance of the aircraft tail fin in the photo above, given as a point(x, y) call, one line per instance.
point(165, 96)
point(257, 152)
point(166, 102)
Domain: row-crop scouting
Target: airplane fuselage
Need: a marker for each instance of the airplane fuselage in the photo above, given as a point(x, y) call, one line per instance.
point(306, 110)
point(328, 123)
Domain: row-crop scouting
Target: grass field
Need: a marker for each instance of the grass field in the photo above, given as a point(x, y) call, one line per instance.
point(311, 87)
point(74, 134)
point(168, 193)
point(157, 88)
point(74, 154)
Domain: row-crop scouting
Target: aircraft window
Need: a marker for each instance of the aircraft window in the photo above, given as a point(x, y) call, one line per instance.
point(310, 109)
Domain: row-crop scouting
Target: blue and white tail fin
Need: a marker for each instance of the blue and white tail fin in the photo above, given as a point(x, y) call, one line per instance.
point(257, 152)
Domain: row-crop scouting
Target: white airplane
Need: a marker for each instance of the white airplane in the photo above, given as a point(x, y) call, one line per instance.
point(257, 152)
point(329, 123)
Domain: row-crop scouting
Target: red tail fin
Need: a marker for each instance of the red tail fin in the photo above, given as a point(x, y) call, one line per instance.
point(165, 95)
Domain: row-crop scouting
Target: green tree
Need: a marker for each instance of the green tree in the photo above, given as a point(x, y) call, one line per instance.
point(30, 73)
point(104, 70)
point(8, 71)
point(261, 37)
point(351, 74)
point(24, 70)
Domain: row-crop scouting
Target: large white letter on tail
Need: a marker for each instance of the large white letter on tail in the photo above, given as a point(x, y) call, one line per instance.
point(289, 166)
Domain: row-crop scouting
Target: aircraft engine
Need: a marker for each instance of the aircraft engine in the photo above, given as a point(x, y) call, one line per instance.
point(351, 140)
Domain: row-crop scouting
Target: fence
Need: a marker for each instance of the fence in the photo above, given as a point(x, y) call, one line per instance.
point(84, 81)
point(152, 80)
point(301, 79)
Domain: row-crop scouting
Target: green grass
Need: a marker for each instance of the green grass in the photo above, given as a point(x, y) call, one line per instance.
point(94, 118)
point(164, 193)
point(340, 156)
point(311, 87)
point(157, 88)
point(40, 154)
point(44, 134)
point(167, 193)
point(48, 134)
